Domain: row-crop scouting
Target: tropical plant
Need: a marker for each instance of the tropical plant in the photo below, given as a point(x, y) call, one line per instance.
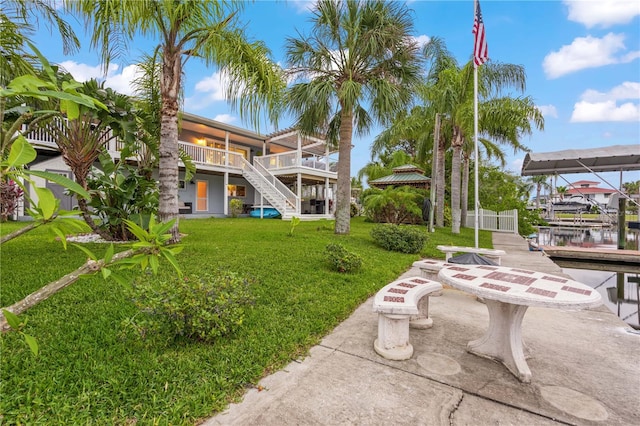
point(236, 207)
point(10, 195)
point(81, 140)
point(145, 148)
point(358, 66)
point(404, 239)
point(385, 165)
point(561, 191)
point(540, 182)
point(119, 192)
point(205, 29)
point(295, 221)
point(504, 119)
point(394, 205)
point(631, 189)
point(16, 25)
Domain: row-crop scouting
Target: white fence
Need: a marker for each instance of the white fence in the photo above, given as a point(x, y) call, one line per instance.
point(506, 221)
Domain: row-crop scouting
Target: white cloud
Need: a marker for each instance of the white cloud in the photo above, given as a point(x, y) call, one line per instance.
point(225, 118)
point(587, 52)
point(602, 13)
point(422, 40)
point(214, 85)
point(548, 110)
point(626, 90)
point(516, 165)
point(595, 106)
point(303, 6)
point(584, 111)
point(84, 72)
point(209, 90)
point(120, 82)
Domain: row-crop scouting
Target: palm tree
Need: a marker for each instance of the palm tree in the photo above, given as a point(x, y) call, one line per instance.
point(205, 29)
point(540, 183)
point(82, 139)
point(504, 119)
point(384, 167)
point(358, 66)
point(15, 29)
point(561, 190)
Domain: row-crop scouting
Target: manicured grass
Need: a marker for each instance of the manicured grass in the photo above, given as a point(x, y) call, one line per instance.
point(91, 371)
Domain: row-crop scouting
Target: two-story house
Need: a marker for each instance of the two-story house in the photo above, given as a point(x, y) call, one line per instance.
point(292, 173)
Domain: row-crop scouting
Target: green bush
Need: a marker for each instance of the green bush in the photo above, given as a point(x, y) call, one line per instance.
point(236, 207)
point(201, 307)
point(404, 239)
point(394, 204)
point(355, 210)
point(341, 259)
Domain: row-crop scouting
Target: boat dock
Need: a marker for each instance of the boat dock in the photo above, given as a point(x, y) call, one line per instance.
point(593, 254)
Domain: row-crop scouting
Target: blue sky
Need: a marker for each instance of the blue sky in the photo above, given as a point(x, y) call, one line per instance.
point(582, 60)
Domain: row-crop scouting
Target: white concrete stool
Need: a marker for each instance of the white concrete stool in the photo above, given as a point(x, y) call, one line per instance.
point(399, 304)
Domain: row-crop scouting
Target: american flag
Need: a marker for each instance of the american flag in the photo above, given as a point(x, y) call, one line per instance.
point(480, 50)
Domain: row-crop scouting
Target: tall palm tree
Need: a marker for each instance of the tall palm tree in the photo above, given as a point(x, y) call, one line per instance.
point(502, 118)
point(206, 29)
point(357, 66)
point(540, 182)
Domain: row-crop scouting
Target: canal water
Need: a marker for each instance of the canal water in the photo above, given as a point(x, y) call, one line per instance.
point(618, 284)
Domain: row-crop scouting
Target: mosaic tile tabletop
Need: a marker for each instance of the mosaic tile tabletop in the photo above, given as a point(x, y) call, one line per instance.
point(520, 286)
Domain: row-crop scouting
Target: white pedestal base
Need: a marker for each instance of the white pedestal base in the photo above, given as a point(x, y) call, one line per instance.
point(393, 337)
point(503, 340)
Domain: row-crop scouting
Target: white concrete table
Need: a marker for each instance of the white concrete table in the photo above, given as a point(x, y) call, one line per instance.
point(508, 292)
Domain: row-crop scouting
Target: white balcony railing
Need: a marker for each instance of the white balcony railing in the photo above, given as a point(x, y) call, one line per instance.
point(275, 162)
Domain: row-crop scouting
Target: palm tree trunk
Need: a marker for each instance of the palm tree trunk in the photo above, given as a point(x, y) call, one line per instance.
point(168, 151)
point(465, 190)
point(343, 202)
point(455, 181)
point(440, 183)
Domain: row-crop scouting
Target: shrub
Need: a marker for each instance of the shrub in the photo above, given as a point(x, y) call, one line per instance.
point(236, 207)
point(201, 307)
point(355, 210)
point(121, 192)
point(404, 239)
point(341, 259)
point(394, 205)
point(10, 194)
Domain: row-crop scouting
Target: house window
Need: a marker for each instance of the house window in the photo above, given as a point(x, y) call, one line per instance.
point(236, 190)
point(202, 198)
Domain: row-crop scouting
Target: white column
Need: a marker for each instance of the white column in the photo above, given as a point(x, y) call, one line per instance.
point(226, 174)
point(326, 194)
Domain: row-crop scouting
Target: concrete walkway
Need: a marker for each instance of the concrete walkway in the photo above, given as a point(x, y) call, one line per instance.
point(585, 367)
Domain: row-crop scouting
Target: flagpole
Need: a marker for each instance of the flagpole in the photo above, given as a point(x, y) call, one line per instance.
point(475, 149)
point(475, 140)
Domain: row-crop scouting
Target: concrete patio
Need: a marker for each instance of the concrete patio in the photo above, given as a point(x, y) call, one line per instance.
point(585, 370)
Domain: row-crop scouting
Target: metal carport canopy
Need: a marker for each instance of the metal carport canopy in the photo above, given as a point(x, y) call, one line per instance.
point(608, 159)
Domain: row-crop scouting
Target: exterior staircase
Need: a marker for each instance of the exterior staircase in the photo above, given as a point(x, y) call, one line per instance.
point(275, 192)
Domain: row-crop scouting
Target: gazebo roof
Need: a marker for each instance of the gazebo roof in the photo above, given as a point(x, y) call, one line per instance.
point(403, 178)
point(408, 168)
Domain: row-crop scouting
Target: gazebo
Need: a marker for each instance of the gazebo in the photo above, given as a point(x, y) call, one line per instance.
point(403, 175)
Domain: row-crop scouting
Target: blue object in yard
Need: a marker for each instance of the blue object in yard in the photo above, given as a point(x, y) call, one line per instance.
point(267, 212)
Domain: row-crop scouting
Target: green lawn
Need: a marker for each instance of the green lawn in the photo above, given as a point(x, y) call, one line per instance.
point(90, 371)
